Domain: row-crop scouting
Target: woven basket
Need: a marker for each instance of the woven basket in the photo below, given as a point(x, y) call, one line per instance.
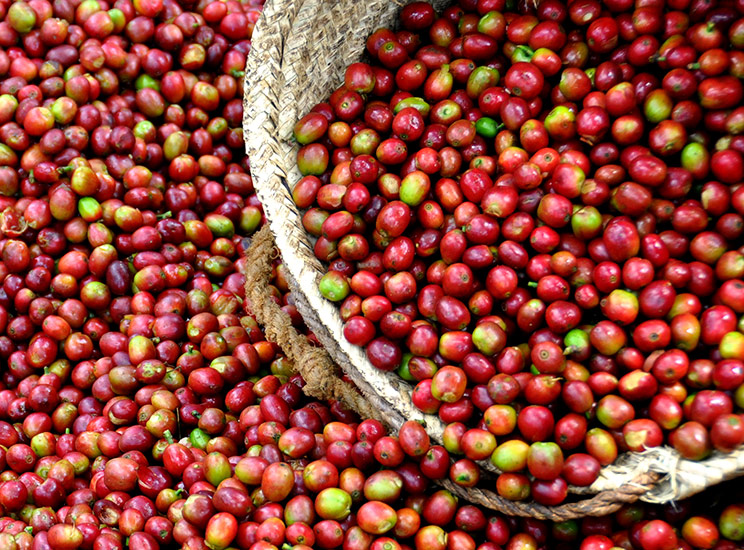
point(299, 55)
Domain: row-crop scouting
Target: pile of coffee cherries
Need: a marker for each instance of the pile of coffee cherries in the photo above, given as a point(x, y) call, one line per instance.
point(141, 406)
point(535, 216)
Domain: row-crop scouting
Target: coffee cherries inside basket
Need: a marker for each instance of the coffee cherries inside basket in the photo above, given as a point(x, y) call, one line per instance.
point(535, 216)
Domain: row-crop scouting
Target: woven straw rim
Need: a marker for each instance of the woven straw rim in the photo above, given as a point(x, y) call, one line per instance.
point(300, 49)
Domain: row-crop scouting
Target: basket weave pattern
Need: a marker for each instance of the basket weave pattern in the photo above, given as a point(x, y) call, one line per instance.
point(299, 55)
